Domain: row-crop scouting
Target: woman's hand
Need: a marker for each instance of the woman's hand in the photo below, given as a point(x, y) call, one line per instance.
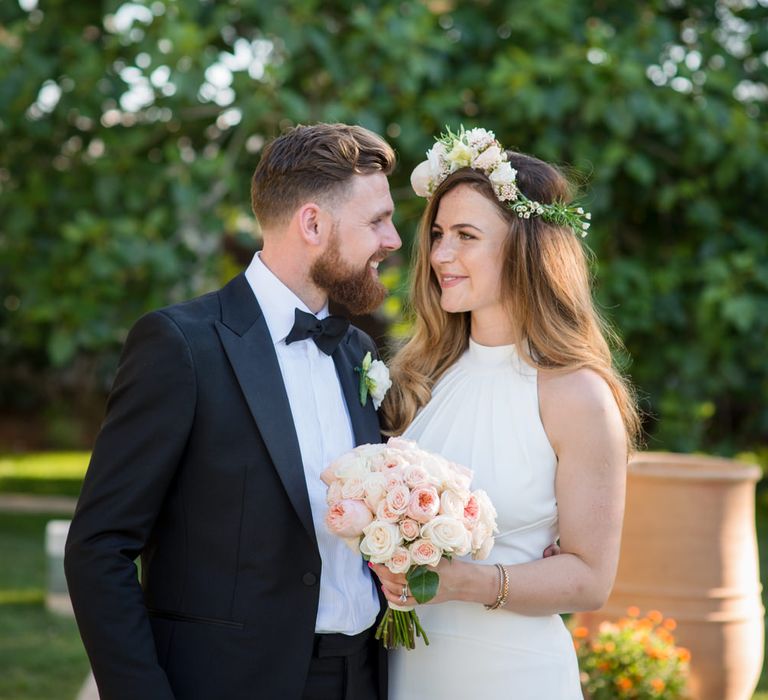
point(459, 580)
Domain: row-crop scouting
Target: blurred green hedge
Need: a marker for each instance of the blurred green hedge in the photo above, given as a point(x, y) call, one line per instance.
point(129, 138)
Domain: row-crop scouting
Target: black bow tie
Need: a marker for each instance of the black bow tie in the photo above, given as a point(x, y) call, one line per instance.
point(327, 333)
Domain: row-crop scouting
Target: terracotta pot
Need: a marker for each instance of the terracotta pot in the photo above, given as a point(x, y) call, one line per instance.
point(689, 550)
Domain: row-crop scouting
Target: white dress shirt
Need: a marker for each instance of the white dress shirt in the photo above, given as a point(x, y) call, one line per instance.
point(348, 599)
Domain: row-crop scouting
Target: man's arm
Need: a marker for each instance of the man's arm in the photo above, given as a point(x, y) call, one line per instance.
point(137, 452)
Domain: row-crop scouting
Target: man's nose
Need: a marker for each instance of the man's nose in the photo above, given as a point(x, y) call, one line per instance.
point(391, 239)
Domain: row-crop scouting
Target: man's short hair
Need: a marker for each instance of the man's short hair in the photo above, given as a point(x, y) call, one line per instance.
point(313, 163)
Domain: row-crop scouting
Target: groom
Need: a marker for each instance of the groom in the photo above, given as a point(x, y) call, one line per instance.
point(224, 411)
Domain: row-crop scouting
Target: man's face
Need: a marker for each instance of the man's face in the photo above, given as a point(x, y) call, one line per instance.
point(362, 236)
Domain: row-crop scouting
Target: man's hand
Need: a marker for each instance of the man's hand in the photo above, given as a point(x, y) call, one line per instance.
point(551, 551)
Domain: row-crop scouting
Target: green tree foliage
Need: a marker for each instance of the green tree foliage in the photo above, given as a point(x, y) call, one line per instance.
point(129, 133)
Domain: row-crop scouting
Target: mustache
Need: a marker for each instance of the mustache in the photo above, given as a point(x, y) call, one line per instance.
point(380, 256)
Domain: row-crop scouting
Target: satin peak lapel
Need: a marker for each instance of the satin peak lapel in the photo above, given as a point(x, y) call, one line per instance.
point(246, 340)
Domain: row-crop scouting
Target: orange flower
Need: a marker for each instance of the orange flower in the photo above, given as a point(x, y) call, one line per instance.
point(604, 666)
point(623, 683)
point(610, 647)
point(633, 611)
point(657, 684)
point(655, 616)
point(683, 654)
point(670, 624)
point(580, 632)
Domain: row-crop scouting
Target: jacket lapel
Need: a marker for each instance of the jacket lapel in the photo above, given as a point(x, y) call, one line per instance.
point(249, 348)
point(365, 422)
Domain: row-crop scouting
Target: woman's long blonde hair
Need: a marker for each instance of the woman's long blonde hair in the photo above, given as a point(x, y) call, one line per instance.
point(545, 285)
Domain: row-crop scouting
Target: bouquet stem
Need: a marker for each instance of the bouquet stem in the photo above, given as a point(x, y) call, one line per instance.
point(399, 628)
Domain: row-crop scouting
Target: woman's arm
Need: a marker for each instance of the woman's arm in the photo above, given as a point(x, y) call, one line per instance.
point(585, 429)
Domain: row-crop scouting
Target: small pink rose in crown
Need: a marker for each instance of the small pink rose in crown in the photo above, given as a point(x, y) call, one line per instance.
point(406, 508)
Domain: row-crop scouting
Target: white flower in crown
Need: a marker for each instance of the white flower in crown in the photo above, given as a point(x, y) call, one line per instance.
point(478, 149)
point(480, 138)
point(460, 156)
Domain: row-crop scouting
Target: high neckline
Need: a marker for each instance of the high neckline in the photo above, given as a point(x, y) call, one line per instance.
point(490, 355)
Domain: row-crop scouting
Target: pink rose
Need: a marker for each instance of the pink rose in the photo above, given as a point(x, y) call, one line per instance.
point(385, 513)
point(424, 553)
point(414, 476)
point(410, 529)
point(472, 512)
point(387, 461)
point(398, 499)
point(392, 481)
point(424, 504)
point(348, 518)
point(400, 561)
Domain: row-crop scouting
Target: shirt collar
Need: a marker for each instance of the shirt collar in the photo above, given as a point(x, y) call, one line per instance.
point(278, 303)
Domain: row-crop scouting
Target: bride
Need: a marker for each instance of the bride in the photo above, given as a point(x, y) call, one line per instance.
point(509, 373)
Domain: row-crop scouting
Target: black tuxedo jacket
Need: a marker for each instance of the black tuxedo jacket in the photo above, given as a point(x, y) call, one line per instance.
point(197, 469)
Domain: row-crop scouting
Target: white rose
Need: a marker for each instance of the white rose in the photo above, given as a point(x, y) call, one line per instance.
point(378, 376)
point(484, 550)
point(452, 503)
point(502, 174)
point(488, 158)
point(421, 178)
point(487, 515)
point(482, 541)
point(373, 485)
point(352, 488)
point(350, 465)
point(380, 541)
point(400, 443)
point(448, 533)
point(334, 493)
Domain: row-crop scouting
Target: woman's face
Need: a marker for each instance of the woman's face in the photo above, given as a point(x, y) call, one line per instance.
point(466, 252)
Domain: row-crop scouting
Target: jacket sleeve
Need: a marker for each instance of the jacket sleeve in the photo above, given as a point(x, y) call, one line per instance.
point(148, 420)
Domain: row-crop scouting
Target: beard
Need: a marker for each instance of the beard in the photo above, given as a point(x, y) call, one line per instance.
point(358, 289)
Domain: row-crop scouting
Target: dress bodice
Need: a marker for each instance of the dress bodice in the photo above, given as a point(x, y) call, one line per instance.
point(484, 414)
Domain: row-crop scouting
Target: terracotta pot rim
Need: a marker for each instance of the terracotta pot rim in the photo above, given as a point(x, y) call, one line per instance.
point(674, 465)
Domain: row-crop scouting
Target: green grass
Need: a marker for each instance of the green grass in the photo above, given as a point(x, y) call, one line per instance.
point(41, 655)
point(59, 473)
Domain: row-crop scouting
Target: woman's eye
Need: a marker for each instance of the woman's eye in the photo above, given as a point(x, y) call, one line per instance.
point(435, 235)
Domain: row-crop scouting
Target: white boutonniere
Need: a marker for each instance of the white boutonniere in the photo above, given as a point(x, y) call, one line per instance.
point(374, 380)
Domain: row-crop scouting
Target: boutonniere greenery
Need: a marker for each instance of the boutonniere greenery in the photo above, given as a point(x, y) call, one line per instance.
point(374, 380)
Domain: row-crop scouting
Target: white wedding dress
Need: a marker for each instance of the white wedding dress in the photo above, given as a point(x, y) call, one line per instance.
point(484, 413)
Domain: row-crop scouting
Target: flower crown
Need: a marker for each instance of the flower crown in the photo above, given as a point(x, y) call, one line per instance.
point(479, 149)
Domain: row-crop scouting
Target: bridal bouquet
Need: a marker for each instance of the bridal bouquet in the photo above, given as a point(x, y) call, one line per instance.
point(406, 508)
